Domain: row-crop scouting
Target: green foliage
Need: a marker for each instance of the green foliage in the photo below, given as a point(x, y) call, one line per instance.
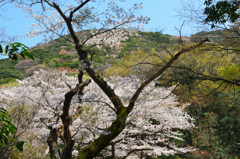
point(6, 128)
point(163, 157)
point(222, 11)
point(6, 80)
point(29, 151)
point(13, 49)
point(218, 125)
point(52, 64)
point(156, 37)
point(19, 145)
point(230, 72)
point(11, 73)
point(43, 55)
point(10, 84)
point(66, 56)
point(7, 69)
point(228, 127)
point(70, 64)
point(145, 42)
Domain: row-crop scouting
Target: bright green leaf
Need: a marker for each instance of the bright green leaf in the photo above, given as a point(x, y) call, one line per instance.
point(20, 44)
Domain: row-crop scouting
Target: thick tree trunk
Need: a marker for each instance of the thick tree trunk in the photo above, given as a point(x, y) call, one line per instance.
point(103, 140)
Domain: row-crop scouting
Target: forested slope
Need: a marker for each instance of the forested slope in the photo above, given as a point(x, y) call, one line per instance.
point(61, 53)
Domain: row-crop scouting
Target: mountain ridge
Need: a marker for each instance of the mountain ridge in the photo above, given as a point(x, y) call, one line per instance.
point(60, 53)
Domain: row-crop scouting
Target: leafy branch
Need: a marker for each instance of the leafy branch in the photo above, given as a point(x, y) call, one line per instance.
point(13, 49)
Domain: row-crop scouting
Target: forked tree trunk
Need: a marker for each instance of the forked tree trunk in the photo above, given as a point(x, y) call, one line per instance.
point(103, 140)
point(122, 112)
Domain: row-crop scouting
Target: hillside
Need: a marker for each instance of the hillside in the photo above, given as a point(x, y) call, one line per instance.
point(214, 36)
point(60, 53)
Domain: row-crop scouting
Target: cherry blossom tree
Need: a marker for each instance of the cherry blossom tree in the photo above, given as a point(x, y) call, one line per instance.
point(107, 28)
point(153, 121)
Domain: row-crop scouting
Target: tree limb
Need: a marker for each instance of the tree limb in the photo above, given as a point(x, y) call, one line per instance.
point(158, 73)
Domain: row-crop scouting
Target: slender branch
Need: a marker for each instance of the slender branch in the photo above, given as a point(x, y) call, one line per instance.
point(180, 33)
point(50, 4)
point(104, 103)
point(158, 73)
point(101, 32)
point(69, 86)
point(214, 90)
point(221, 90)
point(100, 44)
point(77, 8)
point(210, 78)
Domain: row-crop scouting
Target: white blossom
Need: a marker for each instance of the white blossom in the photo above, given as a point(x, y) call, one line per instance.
point(152, 120)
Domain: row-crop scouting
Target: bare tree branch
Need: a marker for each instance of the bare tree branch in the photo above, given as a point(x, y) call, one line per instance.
point(158, 73)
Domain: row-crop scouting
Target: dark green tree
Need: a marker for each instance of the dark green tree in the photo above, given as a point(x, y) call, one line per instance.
point(221, 11)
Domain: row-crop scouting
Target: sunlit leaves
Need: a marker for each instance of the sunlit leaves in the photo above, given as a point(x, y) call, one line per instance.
point(230, 72)
point(13, 50)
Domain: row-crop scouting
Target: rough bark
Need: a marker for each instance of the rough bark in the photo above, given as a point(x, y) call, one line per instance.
point(54, 135)
point(66, 119)
point(103, 140)
point(52, 142)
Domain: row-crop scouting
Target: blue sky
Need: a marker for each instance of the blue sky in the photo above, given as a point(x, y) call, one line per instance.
point(162, 14)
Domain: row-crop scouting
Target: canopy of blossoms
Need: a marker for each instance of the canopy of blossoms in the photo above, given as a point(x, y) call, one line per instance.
point(152, 121)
